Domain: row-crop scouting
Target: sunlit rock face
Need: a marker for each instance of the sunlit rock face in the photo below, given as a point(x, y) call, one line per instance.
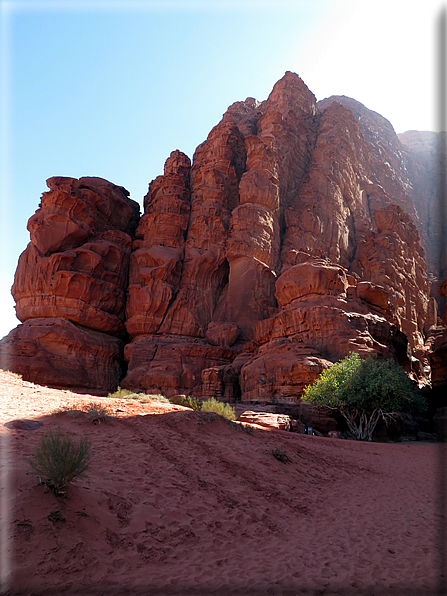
point(158, 253)
point(295, 236)
point(303, 238)
point(77, 263)
point(72, 279)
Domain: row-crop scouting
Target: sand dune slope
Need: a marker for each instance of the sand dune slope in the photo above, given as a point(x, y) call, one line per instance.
point(181, 502)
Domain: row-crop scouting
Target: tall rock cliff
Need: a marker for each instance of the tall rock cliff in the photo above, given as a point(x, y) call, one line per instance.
point(70, 286)
point(425, 161)
point(296, 236)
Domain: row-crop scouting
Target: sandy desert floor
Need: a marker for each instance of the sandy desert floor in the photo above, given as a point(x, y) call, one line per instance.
point(181, 502)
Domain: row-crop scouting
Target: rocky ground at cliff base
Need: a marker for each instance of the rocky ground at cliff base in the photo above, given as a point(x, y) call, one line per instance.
point(181, 502)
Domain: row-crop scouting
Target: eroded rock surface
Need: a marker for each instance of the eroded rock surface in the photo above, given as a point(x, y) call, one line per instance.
point(295, 236)
point(158, 252)
point(425, 160)
point(70, 286)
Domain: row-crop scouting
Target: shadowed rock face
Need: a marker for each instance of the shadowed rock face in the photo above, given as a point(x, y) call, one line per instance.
point(294, 238)
point(437, 349)
point(59, 353)
point(425, 160)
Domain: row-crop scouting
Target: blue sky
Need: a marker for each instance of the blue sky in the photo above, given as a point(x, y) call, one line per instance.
point(110, 88)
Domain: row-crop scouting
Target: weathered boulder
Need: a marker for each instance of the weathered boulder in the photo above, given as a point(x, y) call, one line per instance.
point(222, 334)
point(311, 277)
point(373, 294)
point(267, 420)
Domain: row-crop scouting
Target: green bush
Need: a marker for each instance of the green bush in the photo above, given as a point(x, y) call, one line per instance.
point(187, 401)
point(365, 391)
point(143, 397)
point(225, 410)
point(121, 393)
point(58, 460)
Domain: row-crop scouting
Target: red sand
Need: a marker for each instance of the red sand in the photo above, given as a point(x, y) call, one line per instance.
point(181, 502)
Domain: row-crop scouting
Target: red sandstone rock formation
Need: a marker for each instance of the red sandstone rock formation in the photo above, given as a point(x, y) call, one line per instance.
point(321, 320)
point(424, 158)
point(344, 214)
point(182, 281)
point(59, 353)
point(158, 252)
point(294, 238)
point(70, 286)
point(437, 349)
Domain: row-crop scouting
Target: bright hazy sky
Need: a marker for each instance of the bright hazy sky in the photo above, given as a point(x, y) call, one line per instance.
point(110, 88)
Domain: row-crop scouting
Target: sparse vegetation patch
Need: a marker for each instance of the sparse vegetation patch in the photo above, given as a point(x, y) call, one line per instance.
point(97, 413)
point(187, 401)
point(225, 410)
point(143, 397)
point(281, 456)
point(59, 460)
point(241, 427)
point(121, 393)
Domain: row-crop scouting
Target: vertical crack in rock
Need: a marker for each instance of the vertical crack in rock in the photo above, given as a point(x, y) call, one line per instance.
point(214, 193)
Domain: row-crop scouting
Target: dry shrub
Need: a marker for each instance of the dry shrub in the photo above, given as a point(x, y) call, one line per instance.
point(121, 393)
point(71, 411)
point(97, 413)
point(58, 460)
point(281, 456)
point(145, 397)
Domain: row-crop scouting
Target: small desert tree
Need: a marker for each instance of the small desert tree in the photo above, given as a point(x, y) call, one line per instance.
point(365, 391)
